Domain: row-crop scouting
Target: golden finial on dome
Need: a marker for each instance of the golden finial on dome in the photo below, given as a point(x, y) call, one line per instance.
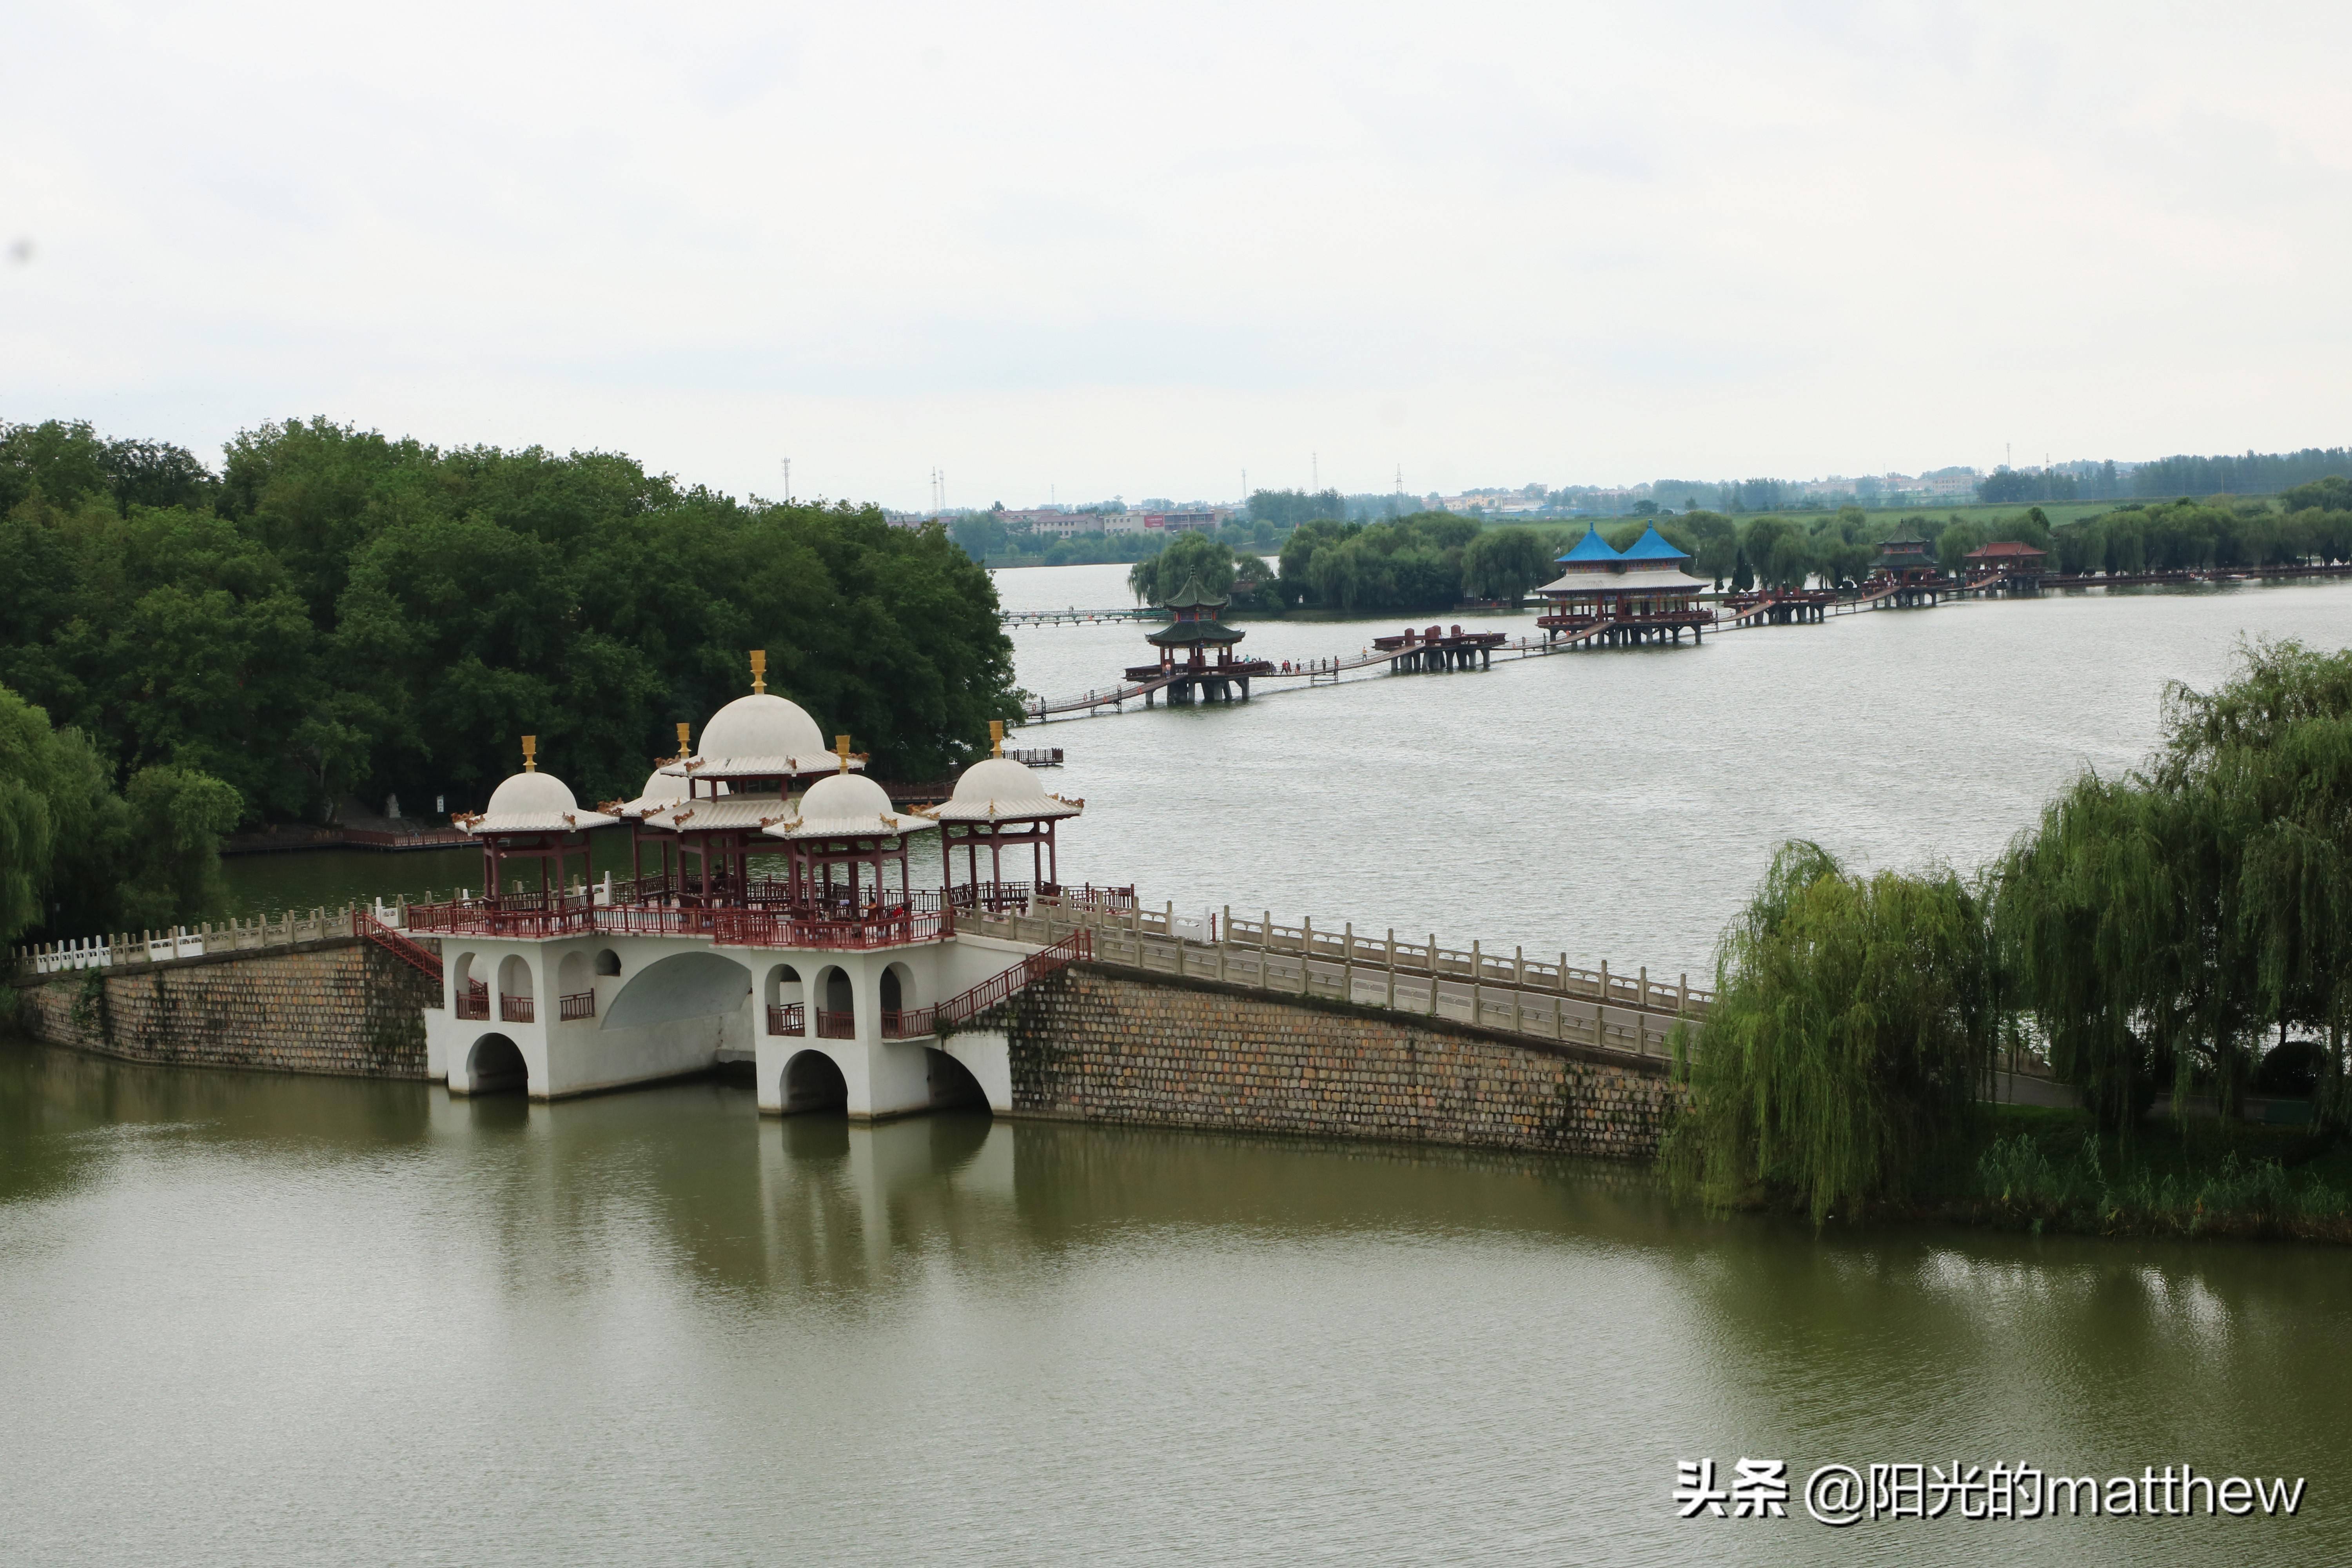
point(530, 753)
point(759, 669)
point(996, 737)
point(684, 750)
point(841, 749)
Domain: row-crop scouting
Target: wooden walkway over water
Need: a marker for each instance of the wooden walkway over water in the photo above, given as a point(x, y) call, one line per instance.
point(1736, 612)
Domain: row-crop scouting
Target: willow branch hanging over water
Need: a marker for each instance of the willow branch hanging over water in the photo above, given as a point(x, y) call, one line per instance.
point(1848, 1041)
point(2158, 930)
point(2166, 925)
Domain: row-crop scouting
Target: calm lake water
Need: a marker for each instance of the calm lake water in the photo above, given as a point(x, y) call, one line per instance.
point(1614, 805)
point(268, 1319)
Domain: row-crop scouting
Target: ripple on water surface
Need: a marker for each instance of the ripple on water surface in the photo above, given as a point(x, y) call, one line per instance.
point(276, 1321)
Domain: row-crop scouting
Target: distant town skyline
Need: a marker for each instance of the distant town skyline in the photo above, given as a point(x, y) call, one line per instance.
point(1059, 251)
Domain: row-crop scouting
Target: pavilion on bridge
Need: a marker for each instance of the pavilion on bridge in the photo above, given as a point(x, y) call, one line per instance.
point(1185, 671)
point(780, 924)
point(2006, 566)
point(1908, 564)
point(1622, 599)
point(999, 804)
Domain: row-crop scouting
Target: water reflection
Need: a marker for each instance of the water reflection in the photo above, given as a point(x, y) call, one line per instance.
point(267, 1311)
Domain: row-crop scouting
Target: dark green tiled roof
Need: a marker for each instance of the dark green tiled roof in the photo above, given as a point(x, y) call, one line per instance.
point(1184, 634)
point(1193, 597)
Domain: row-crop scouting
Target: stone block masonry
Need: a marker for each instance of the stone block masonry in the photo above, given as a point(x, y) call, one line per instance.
point(1091, 1044)
point(338, 1005)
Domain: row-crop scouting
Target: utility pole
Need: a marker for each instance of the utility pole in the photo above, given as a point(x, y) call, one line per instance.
point(788, 482)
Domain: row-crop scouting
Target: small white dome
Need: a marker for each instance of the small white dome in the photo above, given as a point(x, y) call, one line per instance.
point(660, 787)
point(532, 795)
point(840, 797)
point(763, 725)
point(999, 779)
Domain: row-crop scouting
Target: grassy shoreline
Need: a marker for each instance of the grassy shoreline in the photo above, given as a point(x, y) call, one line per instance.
point(2037, 1169)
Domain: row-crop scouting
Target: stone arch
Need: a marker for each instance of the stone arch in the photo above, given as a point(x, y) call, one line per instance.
point(783, 986)
point(514, 976)
point(683, 985)
point(463, 980)
point(572, 974)
point(495, 1065)
point(952, 1084)
point(607, 962)
point(898, 988)
point(835, 997)
point(813, 1082)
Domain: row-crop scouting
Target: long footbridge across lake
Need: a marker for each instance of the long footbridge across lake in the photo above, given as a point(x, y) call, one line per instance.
point(1737, 611)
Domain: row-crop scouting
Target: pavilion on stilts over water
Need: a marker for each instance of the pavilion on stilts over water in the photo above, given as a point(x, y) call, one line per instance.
point(1907, 564)
point(1185, 671)
point(1000, 804)
point(771, 917)
point(1624, 599)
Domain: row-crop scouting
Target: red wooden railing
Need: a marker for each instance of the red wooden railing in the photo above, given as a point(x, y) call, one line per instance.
point(579, 1005)
point(728, 927)
point(474, 1001)
point(1089, 896)
point(419, 958)
point(1075, 948)
point(833, 1025)
point(996, 898)
point(789, 1019)
point(517, 1009)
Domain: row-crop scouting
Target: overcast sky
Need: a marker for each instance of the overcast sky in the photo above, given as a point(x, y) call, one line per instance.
point(1090, 249)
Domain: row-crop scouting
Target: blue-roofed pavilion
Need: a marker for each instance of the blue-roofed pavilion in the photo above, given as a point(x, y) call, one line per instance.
point(1653, 546)
point(1604, 597)
point(1590, 551)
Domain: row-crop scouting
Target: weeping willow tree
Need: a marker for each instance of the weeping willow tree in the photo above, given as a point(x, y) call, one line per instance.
point(2166, 925)
point(1849, 1040)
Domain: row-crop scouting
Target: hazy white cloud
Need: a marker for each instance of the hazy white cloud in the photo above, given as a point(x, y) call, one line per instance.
point(1139, 248)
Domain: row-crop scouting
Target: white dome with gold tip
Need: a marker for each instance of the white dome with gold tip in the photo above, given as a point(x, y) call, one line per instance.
point(998, 789)
point(757, 736)
point(532, 802)
point(848, 805)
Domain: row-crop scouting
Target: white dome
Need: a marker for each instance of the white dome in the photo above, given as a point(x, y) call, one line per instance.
point(763, 725)
point(999, 779)
point(532, 795)
point(840, 797)
point(660, 787)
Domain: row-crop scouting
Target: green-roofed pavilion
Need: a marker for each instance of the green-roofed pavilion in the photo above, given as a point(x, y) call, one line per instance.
point(1196, 649)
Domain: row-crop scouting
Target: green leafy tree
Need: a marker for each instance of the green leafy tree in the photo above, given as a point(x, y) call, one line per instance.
point(78, 860)
point(1849, 1039)
point(1504, 563)
point(1190, 553)
point(27, 820)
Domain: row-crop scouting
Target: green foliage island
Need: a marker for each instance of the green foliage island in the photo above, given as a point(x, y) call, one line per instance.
point(337, 613)
point(2185, 929)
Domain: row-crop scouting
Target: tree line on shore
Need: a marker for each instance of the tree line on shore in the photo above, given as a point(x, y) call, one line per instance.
point(336, 613)
point(2186, 928)
point(1429, 561)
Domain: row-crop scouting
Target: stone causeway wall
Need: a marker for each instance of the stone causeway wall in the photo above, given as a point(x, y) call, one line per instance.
point(1092, 1043)
point(339, 1005)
